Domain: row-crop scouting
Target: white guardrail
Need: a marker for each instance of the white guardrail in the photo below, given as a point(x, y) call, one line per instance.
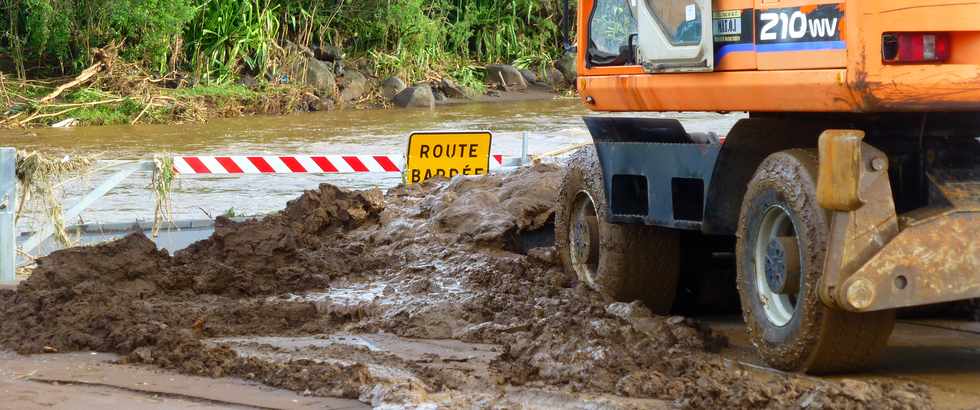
point(8, 205)
point(198, 165)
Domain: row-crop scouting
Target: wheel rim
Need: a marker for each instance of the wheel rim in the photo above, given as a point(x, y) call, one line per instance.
point(583, 238)
point(778, 265)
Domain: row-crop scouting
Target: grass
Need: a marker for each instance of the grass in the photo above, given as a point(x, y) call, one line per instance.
point(218, 40)
point(40, 177)
point(93, 106)
point(109, 114)
point(145, 42)
point(161, 184)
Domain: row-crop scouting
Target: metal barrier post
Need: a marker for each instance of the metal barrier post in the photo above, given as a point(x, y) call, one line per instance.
point(524, 158)
point(127, 169)
point(8, 205)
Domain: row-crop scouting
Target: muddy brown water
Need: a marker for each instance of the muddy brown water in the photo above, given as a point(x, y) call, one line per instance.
point(553, 124)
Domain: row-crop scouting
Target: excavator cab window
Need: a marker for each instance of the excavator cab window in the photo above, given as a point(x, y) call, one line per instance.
point(680, 19)
point(612, 34)
point(673, 35)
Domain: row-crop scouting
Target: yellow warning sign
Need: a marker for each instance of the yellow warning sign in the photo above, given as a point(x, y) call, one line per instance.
point(447, 153)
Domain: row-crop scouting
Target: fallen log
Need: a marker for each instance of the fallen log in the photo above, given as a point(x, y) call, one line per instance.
point(84, 76)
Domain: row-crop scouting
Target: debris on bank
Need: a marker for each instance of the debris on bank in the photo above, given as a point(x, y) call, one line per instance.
point(308, 298)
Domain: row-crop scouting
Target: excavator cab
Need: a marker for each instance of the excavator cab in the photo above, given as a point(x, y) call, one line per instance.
point(659, 35)
point(850, 189)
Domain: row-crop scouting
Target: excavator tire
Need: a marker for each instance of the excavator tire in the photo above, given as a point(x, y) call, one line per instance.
point(782, 239)
point(626, 262)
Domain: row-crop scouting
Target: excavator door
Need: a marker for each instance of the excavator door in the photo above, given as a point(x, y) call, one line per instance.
point(673, 35)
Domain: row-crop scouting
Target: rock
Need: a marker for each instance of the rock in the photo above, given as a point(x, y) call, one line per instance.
point(627, 311)
point(568, 67)
point(144, 354)
point(555, 77)
point(310, 71)
point(859, 390)
point(320, 76)
point(328, 52)
point(439, 95)
point(451, 89)
point(391, 86)
point(415, 96)
point(529, 76)
point(506, 77)
point(353, 85)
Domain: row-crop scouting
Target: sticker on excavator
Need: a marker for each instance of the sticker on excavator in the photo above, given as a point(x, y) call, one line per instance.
point(728, 26)
point(812, 27)
point(447, 154)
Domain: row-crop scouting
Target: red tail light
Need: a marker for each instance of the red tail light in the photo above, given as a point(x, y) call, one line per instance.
point(908, 48)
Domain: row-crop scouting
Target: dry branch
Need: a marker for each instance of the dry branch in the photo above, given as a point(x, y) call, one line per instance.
point(85, 75)
point(53, 114)
point(143, 111)
point(87, 104)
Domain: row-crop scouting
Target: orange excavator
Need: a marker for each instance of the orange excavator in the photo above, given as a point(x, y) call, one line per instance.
point(850, 190)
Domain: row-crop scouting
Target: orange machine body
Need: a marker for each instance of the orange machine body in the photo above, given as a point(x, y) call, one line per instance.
point(847, 75)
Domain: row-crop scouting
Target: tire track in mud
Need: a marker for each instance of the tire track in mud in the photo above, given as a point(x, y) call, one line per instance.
point(440, 260)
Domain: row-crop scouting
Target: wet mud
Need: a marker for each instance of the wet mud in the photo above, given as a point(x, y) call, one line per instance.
point(425, 295)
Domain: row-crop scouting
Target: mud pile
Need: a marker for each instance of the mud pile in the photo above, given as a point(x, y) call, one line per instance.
point(460, 259)
point(120, 295)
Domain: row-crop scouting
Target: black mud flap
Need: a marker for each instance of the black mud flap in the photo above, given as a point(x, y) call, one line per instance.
point(654, 172)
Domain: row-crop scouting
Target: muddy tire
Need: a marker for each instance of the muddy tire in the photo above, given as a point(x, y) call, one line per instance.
point(782, 239)
point(625, 262)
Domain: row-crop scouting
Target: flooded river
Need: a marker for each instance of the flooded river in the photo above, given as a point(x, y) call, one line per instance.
point(552, 124)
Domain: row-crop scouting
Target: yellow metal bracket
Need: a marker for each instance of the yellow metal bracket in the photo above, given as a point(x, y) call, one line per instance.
point(853, 185)
point(872, 262)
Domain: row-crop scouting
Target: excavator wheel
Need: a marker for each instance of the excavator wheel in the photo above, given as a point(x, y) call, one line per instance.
point(782, 239)
point(624, 261)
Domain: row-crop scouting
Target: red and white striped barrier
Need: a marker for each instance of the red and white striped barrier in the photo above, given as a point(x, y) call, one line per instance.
point(295, 164)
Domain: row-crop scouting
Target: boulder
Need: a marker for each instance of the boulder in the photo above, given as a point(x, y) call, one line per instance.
point(303, 69)
point(328, 52)
point(568, 67)
point(506, 77)
point(439, 95)
point(415, 96)
point(353, 85)
point(391, 86)
point(320, 76)
point(555, 77)
point(451, 89)
point(529, 76)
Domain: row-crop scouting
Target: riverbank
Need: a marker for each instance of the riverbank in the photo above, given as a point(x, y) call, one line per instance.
point(113, 93)
point(99, 62)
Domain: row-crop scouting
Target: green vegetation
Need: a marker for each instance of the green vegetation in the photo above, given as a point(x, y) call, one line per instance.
point(219, 40)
